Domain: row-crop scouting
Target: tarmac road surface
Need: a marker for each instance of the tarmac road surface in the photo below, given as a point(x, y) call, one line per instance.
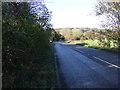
point(82, 67)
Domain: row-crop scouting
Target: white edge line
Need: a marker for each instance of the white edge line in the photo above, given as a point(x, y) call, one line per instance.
point(107, 62)
point(81, 51)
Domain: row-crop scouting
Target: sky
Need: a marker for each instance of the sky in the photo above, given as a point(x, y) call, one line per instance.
point(73, 13)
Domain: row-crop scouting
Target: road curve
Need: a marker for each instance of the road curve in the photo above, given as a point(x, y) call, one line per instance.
point(76, 69)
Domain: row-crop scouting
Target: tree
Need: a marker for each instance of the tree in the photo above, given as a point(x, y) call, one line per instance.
point(77, 33)
point(111, 12)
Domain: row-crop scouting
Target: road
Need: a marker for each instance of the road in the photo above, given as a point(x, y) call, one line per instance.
point(83, 67)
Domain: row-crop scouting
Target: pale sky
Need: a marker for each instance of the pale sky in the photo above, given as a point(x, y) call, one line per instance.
point(73, 13)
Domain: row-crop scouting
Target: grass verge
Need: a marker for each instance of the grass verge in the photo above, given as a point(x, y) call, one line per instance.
point(94, 44)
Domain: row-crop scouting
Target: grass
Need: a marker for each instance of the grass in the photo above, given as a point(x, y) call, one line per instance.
point(41, 72)
point(94, 44)
point(115, 50)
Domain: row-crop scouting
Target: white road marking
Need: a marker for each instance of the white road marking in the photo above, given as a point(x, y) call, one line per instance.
point(107, 62)
point(81, 51)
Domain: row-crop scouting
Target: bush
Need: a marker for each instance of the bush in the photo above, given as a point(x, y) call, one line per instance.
point(24, 41)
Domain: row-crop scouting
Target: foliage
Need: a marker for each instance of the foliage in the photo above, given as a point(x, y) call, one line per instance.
point(70, 33)
point(105, 37)
point(57, 36)
point(77, 33)
point(111, 12)
point(25, 40)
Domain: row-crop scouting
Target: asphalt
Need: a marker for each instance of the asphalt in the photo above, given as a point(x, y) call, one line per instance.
point(82, 67)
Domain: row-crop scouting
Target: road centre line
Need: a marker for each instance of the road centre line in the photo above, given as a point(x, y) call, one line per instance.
point(81, 51)
point(103, 61)
point(107, 62)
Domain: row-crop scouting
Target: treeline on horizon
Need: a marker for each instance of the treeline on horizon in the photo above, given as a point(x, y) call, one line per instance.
point(105, 36)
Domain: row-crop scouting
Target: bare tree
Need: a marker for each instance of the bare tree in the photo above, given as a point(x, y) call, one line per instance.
point(111, 11)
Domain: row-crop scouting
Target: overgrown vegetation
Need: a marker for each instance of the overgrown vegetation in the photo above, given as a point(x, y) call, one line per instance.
point(27, 57)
